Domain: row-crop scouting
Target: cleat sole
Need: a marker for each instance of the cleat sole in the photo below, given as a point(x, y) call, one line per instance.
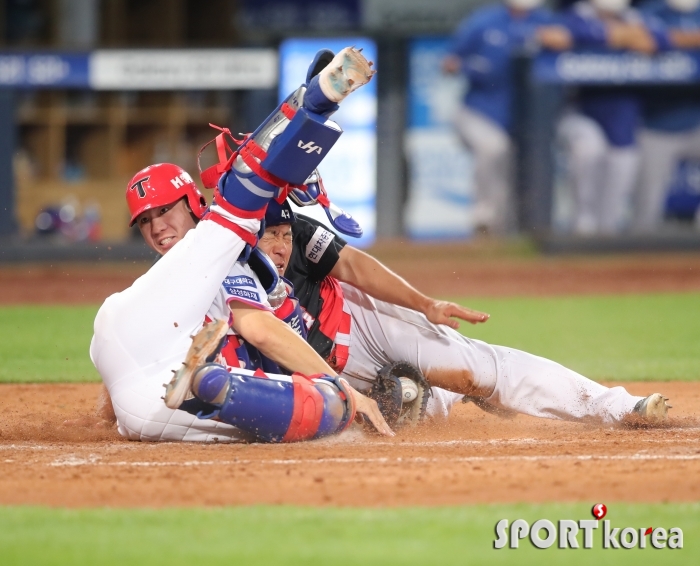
point(204, 343)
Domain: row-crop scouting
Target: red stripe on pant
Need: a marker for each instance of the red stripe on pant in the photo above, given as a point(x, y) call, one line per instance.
point(340, 352)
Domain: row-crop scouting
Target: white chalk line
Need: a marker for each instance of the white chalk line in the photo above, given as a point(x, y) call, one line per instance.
point(428, 444)
point(93, 460)
point(528, 441)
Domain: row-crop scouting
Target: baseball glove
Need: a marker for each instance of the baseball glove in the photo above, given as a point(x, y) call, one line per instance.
point(401, 404)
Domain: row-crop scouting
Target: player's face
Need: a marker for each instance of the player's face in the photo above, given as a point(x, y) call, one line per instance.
point(277, 244)
point(164, 226)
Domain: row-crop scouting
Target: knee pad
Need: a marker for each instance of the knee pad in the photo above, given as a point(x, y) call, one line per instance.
point(276, 408)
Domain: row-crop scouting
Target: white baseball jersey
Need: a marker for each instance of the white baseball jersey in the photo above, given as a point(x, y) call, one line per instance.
point(240, 285)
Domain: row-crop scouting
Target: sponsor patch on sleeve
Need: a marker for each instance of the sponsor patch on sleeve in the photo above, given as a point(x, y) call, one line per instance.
point(318, 244)
point(243, 294)
point(239, 281)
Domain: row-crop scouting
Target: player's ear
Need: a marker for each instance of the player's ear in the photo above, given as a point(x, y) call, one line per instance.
point(189, 209)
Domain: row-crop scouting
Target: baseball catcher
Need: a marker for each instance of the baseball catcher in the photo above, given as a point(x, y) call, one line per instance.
point(155, 326)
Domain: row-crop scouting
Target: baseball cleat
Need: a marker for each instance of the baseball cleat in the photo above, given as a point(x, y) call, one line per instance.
point(348, 71)
point(204, 343)
point(653, 408)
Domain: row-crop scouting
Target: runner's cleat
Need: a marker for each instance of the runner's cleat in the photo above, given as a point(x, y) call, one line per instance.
point(204, 343)
point(653, 409)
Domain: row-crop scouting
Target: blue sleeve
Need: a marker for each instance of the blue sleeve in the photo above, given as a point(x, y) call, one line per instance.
point(484, 72)
point(481, 64)
point(465, 38)
point(653, 8)
point(586, 32)
point(659, 32)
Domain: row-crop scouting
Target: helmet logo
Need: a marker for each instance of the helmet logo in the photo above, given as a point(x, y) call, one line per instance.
point(138, 185)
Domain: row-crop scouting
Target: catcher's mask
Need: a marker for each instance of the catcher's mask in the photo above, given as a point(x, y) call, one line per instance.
point(162, 184)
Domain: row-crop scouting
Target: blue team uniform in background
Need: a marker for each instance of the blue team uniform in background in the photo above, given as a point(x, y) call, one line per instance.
point(671, 109)
point(486, 41)
point(617, 110)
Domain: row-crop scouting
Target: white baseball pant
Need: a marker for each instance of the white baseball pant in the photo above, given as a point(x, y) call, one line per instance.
point(493, 182)
point(603, 176)
point(382, 333)
point(143, 333)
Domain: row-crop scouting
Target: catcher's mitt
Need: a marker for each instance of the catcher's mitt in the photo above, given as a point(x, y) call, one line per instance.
point(396, 401)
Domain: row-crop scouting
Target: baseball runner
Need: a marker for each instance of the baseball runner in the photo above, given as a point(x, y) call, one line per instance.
point(144, 332)
point(361, 317)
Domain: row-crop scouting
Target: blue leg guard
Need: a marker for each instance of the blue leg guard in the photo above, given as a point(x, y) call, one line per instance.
point(280, 151)
point(276, 408)
point(287, 147)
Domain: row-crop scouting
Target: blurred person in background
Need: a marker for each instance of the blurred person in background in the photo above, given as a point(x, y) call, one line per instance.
point(671, 117)
point(482, 49)
point(599, 130)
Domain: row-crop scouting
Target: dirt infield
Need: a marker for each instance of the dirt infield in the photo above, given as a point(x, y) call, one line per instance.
point(472, 458)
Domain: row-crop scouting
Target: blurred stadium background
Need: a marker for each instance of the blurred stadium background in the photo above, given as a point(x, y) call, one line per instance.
point(93, 90)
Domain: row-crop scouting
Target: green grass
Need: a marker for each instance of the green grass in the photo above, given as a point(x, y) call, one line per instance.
point(625, 338)
point(292, 535)
point(46, 343)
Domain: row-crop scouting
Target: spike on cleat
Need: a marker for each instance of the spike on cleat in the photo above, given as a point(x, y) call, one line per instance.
point(204, 343)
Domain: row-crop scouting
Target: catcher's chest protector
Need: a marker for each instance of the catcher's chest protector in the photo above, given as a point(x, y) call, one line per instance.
point(276, 408)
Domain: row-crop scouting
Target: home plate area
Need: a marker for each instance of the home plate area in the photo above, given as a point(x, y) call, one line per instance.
point(473, 457)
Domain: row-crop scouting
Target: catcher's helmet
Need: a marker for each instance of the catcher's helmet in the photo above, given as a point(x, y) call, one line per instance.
point(161, 184)
point(277, 214)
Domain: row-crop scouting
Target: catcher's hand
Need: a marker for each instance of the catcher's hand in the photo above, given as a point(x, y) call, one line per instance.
point(369, 410)
point(401, 392)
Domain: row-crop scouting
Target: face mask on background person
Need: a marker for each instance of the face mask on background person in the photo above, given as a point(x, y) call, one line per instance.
point(524, 4)
point(612, 6)
point(684, 5)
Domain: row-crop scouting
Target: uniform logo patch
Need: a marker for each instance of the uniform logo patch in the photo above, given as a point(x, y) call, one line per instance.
point(239, 281)
point(318, 244)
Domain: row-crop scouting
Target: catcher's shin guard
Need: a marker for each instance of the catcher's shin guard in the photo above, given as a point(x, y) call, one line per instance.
point(286, 148)
point(276, 408)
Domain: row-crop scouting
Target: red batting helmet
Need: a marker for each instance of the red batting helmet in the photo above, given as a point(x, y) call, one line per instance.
point(161, 184)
